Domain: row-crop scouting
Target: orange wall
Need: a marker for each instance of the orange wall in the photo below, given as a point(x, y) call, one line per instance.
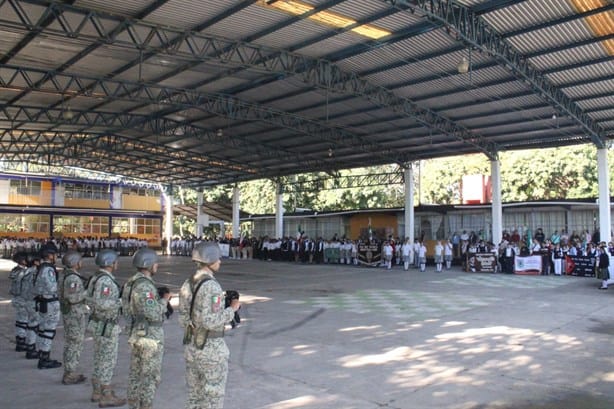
point(141, 203)
point(378, 222)
point(87, 203)
point(43, 200)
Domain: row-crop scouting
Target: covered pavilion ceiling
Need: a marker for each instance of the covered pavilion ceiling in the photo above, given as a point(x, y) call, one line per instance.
point(201, 93)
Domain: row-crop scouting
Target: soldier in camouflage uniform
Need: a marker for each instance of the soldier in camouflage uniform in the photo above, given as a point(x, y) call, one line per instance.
point(146, 311)
point(203, 317)
point(74, 314)
point(16, 276)
point(27, 291)
point(48, 305)
point(103, 298)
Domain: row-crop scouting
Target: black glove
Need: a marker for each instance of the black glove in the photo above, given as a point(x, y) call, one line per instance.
point(232, 295)
point(162, 291)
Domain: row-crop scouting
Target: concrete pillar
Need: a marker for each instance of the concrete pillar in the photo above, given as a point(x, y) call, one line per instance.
point(168, 218)
point(279, 212)
point(497, 211)
point(236, 205)
point(605, 226)
point(199, 214)
point(410, 228)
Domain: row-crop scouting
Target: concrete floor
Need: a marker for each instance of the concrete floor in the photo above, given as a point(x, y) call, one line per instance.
point(322, 336)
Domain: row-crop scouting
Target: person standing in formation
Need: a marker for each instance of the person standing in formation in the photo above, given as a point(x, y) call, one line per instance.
point(422, 256)
point(439, 256)
point(447, 254)
point(203, 317)
point(48, 305)
point(603, 266)
point(146, 336)
point(406, 252)
point(387, 252)
point(27, 291)
point(74, 314)
point(103, 294)
point(557, 259)
point(16, 276)
point(416, 253)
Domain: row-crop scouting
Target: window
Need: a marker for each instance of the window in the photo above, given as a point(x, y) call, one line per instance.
point(139, 191)
point(25, 187)
point(136, 225)
point(86, 191)
point(81, 225)
point(33, 223)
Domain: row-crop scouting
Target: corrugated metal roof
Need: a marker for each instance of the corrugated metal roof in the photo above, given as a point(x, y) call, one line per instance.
point(271, 80)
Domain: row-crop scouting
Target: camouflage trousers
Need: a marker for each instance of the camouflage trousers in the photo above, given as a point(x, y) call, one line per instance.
point(206, 373)
point(47, 324)
point(74, 333)
point(145, 372)
point(21, 317)
point(105, 356)
point(32, 328)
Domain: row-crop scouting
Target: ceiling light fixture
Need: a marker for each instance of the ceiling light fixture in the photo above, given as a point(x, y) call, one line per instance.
point(463, 66)
point(328, 18)
point(68, 114)
point(219, 133)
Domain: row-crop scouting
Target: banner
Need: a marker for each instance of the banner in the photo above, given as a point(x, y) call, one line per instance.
point(369, 254)
point(225, 249)
point(581, 266)
point(531, 265)
point(332, 255)
point(481, 262)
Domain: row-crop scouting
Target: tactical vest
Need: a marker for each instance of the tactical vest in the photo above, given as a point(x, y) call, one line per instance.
point(16, 275)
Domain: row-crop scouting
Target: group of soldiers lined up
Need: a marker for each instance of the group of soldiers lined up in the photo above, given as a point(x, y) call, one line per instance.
point(97, 303)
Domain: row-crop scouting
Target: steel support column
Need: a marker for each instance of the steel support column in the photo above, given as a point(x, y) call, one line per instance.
point(409, 203)
point(279, 212)
point(497, 212)
point(236, 205)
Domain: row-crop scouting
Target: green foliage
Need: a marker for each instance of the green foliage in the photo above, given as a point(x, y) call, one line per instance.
point(560, 173)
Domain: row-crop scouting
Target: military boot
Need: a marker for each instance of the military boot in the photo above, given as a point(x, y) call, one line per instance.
point(31, 352)
point(108, 398)
point(20, 344)
point(45, 363)
point(95, 391)
point(71, 378)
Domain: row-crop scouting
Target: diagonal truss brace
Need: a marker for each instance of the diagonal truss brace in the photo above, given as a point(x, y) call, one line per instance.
point(199, 47)
point(472, 29)
point(74, 173)
point(65, 84)
point(344, 182)
point(104, 151)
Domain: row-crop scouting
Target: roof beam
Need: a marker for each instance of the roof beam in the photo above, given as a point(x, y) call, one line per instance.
point(100, 150)
point(47, 18)
point(471, 29)
point(28, 79)
point(54, 12)
point(198, 47)
point(90, 122)
point(344, 182)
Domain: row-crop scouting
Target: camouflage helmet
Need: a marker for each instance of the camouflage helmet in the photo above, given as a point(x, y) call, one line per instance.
point(32, 257)
point(206, 253)
point(71, 258)
point(48, 249)
point(105, 258)
point(20, 257)
point(144, 258)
